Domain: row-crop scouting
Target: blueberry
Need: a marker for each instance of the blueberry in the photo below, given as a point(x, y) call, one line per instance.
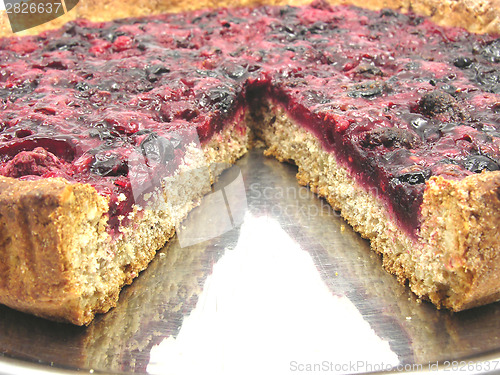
point(220, 98)
point(490, 51)
point(413, 178)
point(478, 163)
point(316, 97)
point(318, 27)
point(103, 131)
point(153, 72)
point(107, 164)
point(175, 139)
point(19, 91)
point(449, 89)
point(415, 20)
point(289, 31)
point(438, 101)
point(63, 44)
point(234, 71)
point(447, 127)
point(426, 129)
point(288, 11)
point(157, 149)
point(419, 124)
point(388, 13)
point(367, 90)
point(390, 137)
point(111, 34)
point(489, 78)
point(207, 73)
point(72, 29)
point(141, 86)
point(109, 85)
point(82, 86)
point(462, 62)
point(142, 132)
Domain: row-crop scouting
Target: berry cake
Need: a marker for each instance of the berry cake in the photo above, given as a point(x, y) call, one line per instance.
point(391, 118)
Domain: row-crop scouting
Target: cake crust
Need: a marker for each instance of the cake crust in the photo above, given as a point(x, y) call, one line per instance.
point(459, 222)
point(475, 16)
point(39, 222)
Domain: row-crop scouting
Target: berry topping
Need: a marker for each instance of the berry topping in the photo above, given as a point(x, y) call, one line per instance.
point(490, 50)
point(38, 162)
point(395, 98)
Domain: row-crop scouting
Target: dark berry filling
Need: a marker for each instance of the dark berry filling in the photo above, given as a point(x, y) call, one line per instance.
point(395, 97)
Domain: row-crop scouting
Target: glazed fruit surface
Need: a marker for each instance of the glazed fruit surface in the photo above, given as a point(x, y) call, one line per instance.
point(395, 97)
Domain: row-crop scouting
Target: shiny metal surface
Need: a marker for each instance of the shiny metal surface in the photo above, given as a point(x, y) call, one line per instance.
point(291, 290)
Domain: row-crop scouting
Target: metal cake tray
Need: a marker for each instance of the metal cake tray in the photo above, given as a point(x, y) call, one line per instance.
point(282, 285)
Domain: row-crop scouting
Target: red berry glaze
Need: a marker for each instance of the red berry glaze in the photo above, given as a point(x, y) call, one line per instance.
point(395, 97)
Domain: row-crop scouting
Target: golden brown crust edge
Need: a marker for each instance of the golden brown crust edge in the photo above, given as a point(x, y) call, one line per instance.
point(57, 259)
point(476, 16)
point(460, 229)
point(37, 232)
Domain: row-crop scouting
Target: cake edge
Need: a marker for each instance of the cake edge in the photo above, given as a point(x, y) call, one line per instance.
point(459, 222)
point(56, 252)
point(454, 257)
point(479, 17)
point(36, 218)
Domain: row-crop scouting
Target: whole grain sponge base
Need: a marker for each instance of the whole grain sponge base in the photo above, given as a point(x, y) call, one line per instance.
point(453, 261)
